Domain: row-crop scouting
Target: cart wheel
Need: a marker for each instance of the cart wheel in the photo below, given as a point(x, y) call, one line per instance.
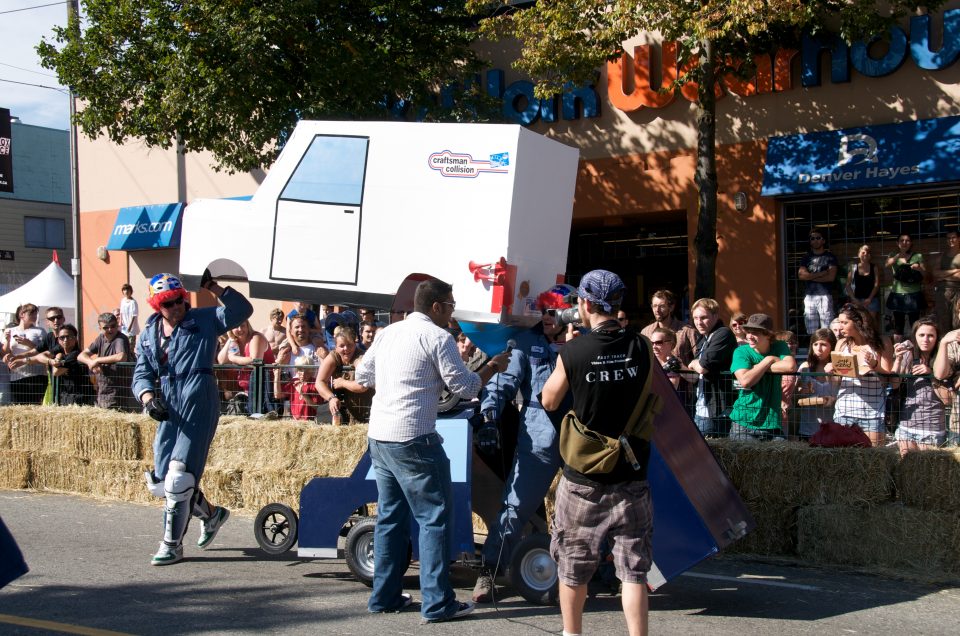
point(275, 528)
point(359, 550)
point(533, 571)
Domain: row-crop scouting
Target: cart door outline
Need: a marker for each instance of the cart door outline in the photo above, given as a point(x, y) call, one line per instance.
point(319, 213)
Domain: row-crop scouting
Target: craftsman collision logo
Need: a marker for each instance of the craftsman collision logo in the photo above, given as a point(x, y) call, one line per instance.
point(464, 166)
point(125, 229)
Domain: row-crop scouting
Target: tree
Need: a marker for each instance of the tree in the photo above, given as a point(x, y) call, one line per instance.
point(567, 41)
point(234, 77)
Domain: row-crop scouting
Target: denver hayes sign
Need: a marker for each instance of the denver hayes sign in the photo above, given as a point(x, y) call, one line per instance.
point(773, 72)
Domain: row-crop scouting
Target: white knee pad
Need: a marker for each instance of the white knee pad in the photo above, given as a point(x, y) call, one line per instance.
point(179, 484)
point(154, 485)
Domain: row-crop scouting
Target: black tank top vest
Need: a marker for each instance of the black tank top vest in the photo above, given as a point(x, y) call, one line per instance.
point(863, 285)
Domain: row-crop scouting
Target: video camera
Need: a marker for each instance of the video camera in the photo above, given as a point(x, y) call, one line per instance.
point(569, 316)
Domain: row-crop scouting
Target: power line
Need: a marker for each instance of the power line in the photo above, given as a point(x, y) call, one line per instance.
point(53, 88)
point(39, 6)
point(27, 70)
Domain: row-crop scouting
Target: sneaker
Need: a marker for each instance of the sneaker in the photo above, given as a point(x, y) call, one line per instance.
point(462, 610)
point(167, 554)
point(406, 600)
point(210, 527)
point(483, 590)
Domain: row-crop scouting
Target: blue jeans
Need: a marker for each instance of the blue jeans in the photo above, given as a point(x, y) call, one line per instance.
point(530, 477)
point(413, 478)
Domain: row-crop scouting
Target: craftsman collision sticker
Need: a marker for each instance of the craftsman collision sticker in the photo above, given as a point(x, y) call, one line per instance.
point(463, 166)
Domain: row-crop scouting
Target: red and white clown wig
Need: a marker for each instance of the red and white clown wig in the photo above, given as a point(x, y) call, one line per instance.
point(556, 297)
point(164, 288)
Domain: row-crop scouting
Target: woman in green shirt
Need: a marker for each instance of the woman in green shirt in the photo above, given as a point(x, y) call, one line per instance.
point(906, 299)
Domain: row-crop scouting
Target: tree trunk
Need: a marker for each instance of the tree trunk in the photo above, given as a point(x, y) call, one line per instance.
point(705, 283)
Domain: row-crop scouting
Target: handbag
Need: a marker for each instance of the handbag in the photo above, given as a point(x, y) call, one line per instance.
point(834, 435)
point(589, 452)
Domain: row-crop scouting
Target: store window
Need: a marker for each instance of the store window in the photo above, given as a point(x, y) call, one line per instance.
point(44, 232)
point(877, 221)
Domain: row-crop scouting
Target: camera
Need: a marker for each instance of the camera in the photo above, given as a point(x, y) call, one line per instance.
point(672, 365)
point(564, 317)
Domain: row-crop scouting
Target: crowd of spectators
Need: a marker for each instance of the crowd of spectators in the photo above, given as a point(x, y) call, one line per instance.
point(742, 379)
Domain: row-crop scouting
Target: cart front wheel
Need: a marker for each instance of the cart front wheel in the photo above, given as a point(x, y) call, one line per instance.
point(275, 528)
point(533, 572)
point(359, 550)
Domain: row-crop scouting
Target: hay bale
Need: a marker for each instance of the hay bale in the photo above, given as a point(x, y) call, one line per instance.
point(245, 444)
point(330, 451)
point(35, 428)
point(222, 487)
point(261, 487)
point(146, 431)
point(930, 480)
point(793, 474)
point(775, 534)
point(14, 469)
point(61, 473)
point(121, 479)
point(5, 441)
point(888, 537)
point(99, 433)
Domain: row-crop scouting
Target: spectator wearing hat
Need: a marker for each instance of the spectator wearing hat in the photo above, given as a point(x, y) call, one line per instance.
point(537, 457)
point(605, 370)
point(662, 304)
point(757, 412)
point(818, 269)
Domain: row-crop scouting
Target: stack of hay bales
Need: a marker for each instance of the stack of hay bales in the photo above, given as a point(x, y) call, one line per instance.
point(92, 451)
point(849, 506)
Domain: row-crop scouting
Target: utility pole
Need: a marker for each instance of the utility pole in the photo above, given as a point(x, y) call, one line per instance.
point(73, 23)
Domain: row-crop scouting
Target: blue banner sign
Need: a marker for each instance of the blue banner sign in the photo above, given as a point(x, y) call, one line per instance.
point(144, 227)
point(924, 151)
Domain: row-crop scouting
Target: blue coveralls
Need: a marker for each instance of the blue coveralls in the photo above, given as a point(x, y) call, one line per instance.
point(186, 380)
point(537, 459)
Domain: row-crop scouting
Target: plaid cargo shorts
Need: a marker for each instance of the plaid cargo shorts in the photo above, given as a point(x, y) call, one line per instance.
point(586, 515)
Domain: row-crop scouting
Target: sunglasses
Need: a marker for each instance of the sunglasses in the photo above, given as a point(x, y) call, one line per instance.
point(53, 318)
point(816, 238)
point(65, 337)
point(656, 342)
point(172, 303)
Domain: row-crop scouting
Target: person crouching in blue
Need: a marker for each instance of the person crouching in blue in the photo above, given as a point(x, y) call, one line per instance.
point(174, 381)
point(537, 458)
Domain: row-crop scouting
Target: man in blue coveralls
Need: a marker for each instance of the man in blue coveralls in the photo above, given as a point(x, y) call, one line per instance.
point(174, 381)
point(537, 458)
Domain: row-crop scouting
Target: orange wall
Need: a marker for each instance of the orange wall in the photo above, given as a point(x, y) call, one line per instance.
point(101, 280)
point(748, 273)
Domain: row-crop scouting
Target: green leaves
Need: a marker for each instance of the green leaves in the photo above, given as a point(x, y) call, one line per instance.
point(233, 77)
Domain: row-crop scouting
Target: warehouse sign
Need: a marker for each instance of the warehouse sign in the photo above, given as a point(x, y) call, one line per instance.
point(6, 152)
point(863, 158)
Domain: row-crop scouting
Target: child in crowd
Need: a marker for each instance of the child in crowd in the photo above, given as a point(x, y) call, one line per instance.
point(301, 390)
point(129, 313)
point(922, 423)
point(110, 347)
point(816, 393)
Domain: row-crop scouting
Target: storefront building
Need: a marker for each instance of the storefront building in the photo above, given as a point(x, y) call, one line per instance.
point(786, 138)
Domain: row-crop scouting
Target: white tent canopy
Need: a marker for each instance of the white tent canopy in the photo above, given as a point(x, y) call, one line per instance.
point(52, 287)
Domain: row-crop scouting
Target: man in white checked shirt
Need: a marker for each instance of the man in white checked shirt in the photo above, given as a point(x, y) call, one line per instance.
point(409, 364)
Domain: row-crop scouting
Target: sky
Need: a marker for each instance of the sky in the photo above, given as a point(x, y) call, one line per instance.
point(20, 33)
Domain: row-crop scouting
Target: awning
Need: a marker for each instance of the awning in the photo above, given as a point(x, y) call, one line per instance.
point(868, 157)
point(144, 227)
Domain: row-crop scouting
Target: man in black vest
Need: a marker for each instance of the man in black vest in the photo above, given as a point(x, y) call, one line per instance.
point(606, 370)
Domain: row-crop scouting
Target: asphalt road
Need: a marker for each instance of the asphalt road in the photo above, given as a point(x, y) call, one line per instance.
point(90, 574)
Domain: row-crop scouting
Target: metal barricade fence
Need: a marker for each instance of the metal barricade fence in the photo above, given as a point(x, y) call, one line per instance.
point(794, 405)
point(918, 405)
